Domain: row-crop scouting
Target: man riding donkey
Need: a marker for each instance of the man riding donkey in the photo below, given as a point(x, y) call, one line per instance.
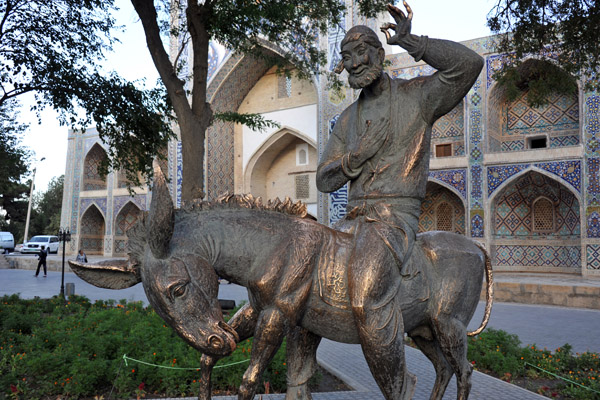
point(380, 144)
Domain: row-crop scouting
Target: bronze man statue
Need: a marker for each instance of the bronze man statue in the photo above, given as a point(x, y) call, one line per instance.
point(380, 144)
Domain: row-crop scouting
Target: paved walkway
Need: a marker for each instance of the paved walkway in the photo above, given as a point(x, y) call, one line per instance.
point(544, 325)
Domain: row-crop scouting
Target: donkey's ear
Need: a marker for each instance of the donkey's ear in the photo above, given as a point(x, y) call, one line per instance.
point(161, 218)
point(108, 274)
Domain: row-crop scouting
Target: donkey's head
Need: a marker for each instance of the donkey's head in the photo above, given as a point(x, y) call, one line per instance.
point(181, 286)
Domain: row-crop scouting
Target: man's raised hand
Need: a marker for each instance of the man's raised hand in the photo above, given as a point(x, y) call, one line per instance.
point(401, 27)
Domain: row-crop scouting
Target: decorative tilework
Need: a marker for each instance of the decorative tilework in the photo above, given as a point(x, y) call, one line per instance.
point(592, 125)
point(227, 94)
point(412, 72)
point(538, 256)
point(435, 196)
point(100, 202)
point(593, 256)
point(92, 180)
point(513, 145)
point(139, 200)
point(570, 171)
point(92, 231)
point(563, 141)
point(337, 204)
point(450, 125)
point(593, 225)
point(477, 230)
point(457, 178)
point(561, 113)
point(513, 208)
point(179, 176)
point(476, 184)
point(497, 175)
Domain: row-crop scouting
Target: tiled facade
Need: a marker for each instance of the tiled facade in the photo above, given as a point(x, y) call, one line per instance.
point(490, 180)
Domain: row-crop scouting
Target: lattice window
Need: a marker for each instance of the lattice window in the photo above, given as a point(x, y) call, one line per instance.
point(444, 217)
point(543, 215)
point(284, 86)
point(302, 186)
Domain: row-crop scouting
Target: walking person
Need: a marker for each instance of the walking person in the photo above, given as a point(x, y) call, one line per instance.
point(42, 257)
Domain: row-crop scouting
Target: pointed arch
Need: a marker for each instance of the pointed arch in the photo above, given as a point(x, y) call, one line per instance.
point(442, 209)
point(92, 180)
point(227, 89)
point(129, 214)
point(273, 171)
point(515, 126)
point(92, 231)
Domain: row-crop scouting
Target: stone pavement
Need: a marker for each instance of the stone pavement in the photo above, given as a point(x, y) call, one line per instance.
point(546, 326)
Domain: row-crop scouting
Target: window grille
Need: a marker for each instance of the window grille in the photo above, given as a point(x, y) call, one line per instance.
point(543, 215)
point(444, 217)
point(302, 186)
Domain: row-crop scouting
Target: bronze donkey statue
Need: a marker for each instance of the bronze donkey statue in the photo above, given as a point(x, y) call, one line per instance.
point(293, 268)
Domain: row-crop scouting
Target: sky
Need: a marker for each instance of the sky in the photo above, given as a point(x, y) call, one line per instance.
point(454, 20)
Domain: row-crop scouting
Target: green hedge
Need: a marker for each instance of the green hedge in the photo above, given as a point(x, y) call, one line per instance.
point(49, 348)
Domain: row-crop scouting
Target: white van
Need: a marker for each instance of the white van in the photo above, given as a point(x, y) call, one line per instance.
point(35, 244)
point(7, 241)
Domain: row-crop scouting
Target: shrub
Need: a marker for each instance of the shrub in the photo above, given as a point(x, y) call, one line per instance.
point(49, 348)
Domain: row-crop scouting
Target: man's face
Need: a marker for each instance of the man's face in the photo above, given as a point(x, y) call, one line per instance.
point(363, 63)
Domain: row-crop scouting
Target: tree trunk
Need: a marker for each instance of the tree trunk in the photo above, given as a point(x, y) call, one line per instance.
point(193, 120)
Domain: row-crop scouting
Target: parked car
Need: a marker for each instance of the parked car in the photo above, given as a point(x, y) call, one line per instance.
point(35, 244)
point(7, 242)
point(18, 247)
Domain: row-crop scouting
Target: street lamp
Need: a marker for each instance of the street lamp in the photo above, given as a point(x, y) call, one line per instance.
point(29, 207)
point(64, 235)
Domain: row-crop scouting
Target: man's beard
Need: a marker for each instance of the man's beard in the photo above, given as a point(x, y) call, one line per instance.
point(366, 78)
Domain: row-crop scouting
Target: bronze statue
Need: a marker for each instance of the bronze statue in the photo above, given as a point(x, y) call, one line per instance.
point(293, 268)
point(380, 144)
point(368, 282)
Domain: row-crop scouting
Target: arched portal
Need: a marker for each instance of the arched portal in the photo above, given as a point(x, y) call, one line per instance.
point(91, 237)
point(514, 125)
point(243, 84)
point(92, 180)
point(126, 218)
point(441, 210)
point(536, 225)
point(285, 166)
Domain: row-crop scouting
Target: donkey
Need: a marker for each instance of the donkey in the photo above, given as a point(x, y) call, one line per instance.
point(295, 271)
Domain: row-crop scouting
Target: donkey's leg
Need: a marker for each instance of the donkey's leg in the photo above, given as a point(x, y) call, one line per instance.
point(443, 370)
point(302, 362)
point(267, 340)
point(452, 336)
point(373, 279)
point(243, 322)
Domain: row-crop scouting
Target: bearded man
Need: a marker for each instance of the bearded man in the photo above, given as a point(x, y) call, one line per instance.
point(380, 144)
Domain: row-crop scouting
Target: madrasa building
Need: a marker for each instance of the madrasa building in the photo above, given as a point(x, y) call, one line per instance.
point(523, 181)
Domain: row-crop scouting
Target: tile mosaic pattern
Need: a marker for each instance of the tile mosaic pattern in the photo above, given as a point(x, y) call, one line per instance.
point(538, 256)
point(593, 256)
point(227, 94)
point(563, 141)
point(139, 200)
point(91, 236)
point(513, 208)
point(100, 202)
point(92, 180)
point(567, 171)
point(451, 125)
point(457, 178)
point(436, 195)
point(475, 153)
point(560, 114)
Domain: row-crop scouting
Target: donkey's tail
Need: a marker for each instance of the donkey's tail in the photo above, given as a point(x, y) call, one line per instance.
point(489, 293)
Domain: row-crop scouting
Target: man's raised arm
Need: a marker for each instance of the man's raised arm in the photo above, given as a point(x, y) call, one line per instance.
point(458, 67)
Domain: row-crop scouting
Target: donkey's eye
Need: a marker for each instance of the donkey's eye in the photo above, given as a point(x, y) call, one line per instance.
point(178, 290)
